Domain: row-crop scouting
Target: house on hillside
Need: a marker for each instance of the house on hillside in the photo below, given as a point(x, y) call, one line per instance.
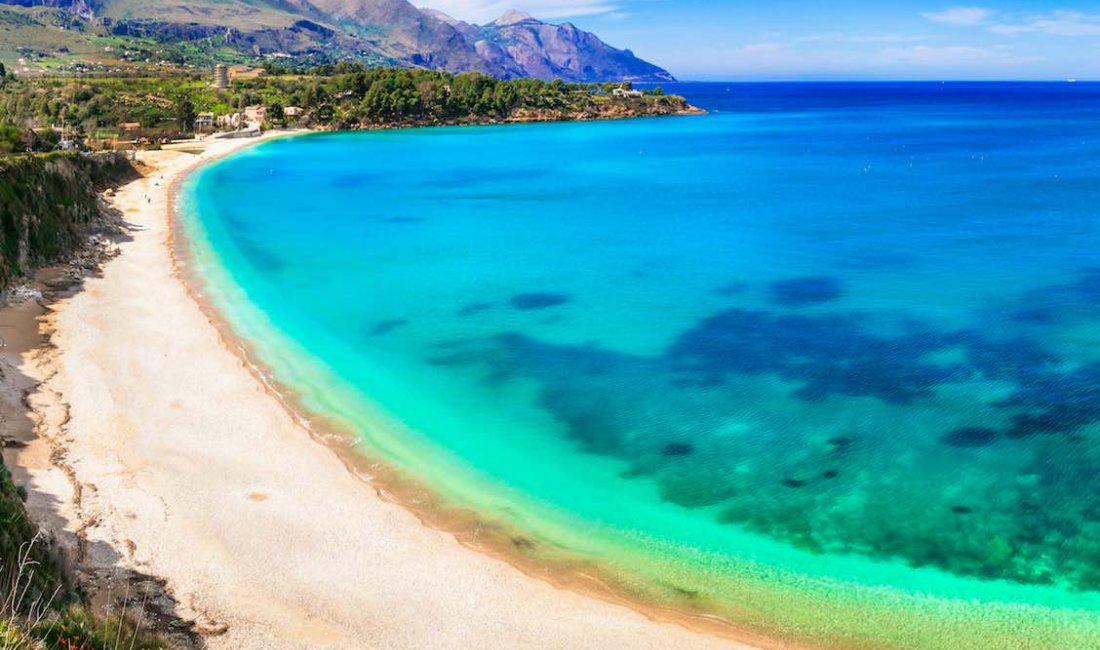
point(292, 114)
point(623, 92)
point(204, 121)
point(256, 113)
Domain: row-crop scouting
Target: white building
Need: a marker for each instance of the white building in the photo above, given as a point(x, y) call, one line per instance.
point(257, 113)
point(230, 121)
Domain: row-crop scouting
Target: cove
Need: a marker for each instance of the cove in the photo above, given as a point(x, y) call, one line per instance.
point(823, 362)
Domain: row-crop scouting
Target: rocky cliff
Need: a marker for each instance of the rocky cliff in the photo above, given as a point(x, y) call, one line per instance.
point(48, 203)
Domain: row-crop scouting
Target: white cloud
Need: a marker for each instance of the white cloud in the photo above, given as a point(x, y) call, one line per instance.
point(962, 16)
point(1056, 23)
point(842, 37)
point(948, 56)
point(483, 11)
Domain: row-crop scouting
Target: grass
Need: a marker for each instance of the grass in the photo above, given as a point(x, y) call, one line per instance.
point(23, 598)
point(57, 622)
point(78, 629)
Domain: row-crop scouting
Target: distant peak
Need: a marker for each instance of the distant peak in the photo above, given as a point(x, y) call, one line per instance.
point(439, 15)
point(513, 17)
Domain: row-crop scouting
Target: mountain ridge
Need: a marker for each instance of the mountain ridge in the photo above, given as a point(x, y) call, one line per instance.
point(375, 32)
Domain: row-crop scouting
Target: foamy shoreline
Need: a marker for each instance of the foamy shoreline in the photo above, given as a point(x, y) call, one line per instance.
point(164, 455)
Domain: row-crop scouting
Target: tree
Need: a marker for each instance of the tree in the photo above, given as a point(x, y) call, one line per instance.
point(48, 139)
point(275, 113)
point(3, 72)
point(185, 114)
point(11, 139)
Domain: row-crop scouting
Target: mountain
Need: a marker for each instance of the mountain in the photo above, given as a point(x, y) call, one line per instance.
point(549, 51)
point(376, 32)
point(518, 45)
point(401, 31)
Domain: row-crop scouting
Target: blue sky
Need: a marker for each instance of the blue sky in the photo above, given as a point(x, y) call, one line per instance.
point(840, 39)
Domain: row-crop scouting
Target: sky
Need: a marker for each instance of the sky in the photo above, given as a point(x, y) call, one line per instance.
point(835, 39)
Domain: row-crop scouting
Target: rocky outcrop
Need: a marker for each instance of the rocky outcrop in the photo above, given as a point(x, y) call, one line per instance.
point(648, 106)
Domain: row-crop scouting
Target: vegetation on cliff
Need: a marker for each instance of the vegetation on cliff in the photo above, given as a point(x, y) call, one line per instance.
point(47, 203)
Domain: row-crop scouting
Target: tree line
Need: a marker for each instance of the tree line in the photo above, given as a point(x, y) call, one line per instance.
point(330, 96)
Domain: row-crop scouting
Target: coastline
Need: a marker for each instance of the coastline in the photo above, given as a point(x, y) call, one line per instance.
point(193, 451)
point(868, 621)
point(526, 117)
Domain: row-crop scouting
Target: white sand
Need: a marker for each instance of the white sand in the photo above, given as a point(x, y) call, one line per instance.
point(171, 459)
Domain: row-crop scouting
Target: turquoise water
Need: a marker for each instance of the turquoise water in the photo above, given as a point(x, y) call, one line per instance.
point(838, 343)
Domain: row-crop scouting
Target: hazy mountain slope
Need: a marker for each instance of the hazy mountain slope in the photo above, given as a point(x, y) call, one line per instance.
point(562, 51)
point(467, 30)
point(398, 27)
point(521, 45)
point(82, 8)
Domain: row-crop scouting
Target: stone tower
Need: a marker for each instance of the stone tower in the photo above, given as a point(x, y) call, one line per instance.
point(221, 76)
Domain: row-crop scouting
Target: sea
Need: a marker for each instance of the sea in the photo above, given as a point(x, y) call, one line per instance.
point(823, 363)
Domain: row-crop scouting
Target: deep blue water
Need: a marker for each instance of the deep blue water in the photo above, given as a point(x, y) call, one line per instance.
point(846, 329)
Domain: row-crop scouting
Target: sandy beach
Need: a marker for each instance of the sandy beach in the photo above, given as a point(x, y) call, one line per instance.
point(166, 468)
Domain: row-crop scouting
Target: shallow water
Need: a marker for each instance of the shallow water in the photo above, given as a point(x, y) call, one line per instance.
point(849, 333)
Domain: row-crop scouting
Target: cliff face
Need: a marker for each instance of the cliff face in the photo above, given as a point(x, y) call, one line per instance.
point(47, 205)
